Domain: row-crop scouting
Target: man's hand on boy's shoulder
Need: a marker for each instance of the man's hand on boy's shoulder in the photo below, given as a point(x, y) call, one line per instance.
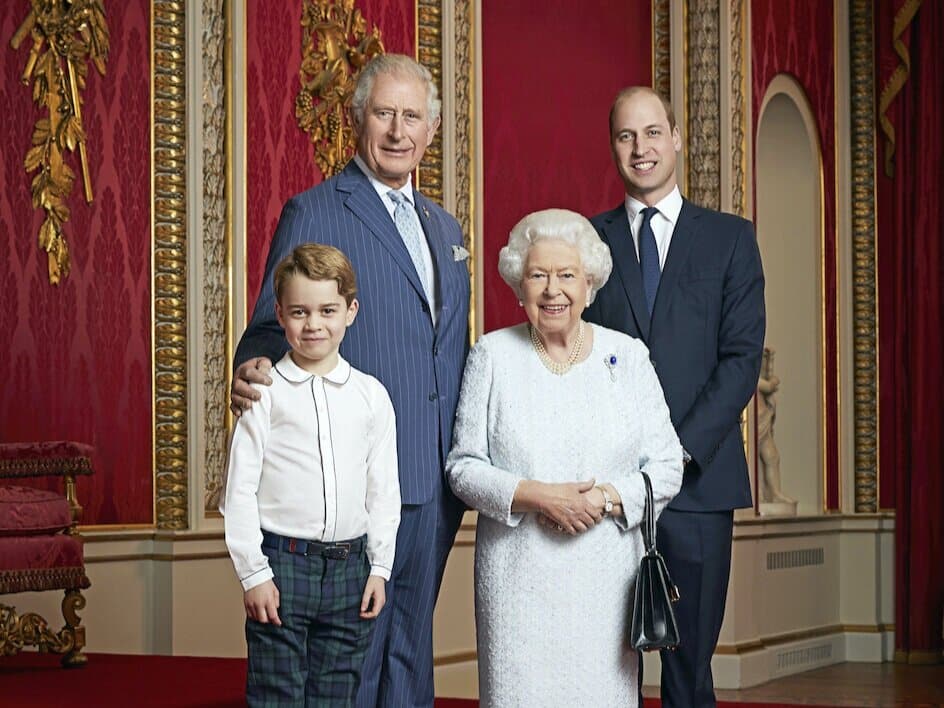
point(375, 597)
point(262, 603)
point(251, 371)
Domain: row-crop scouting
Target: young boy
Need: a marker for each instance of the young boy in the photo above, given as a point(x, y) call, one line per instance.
point(312, 501)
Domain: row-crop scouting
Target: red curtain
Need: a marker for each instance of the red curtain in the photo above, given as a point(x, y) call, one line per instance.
point(911, 281)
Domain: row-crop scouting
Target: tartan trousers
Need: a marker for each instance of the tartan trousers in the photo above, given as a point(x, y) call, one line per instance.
point(315, 658)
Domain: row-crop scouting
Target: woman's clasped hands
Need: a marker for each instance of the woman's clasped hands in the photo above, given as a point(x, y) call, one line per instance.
point(563, 507)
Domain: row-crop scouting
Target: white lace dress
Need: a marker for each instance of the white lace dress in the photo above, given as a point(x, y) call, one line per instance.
point(552, 610)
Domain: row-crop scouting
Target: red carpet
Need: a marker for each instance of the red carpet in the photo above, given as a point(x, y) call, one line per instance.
point(30, 680)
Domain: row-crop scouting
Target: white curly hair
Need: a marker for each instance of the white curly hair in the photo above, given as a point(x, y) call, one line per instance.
point(556, 225)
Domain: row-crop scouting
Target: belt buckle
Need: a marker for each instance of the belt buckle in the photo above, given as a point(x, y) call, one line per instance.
point(339, 551)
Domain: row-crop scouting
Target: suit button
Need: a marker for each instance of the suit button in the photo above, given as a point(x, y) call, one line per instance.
point(433, 396)
point(653, 362)
point(435, 350)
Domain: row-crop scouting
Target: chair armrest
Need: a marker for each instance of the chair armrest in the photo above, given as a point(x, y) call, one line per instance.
point(60, 458)
point(45, 459)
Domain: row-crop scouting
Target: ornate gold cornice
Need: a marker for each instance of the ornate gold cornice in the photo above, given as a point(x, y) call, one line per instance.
point(703, 137)
point(169, 233)
point(216, 255)
point(864, 288)
point(429, 54)
point(661, 48)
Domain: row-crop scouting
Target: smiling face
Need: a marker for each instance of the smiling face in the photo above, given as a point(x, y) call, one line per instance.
point(395, 131)
point(554, 288)
point(644, 147)
point(315, 317)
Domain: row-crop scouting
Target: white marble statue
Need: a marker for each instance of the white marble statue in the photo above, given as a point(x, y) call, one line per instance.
point(772, 499)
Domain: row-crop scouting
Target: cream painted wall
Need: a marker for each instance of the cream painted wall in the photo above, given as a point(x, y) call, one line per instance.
point(176, 594)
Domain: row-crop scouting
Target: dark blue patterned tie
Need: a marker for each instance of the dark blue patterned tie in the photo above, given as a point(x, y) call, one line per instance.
point(649, 257)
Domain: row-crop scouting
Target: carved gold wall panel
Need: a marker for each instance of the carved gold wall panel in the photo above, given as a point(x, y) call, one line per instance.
point(703, 102)
point(336, 44)
point(216, 250)
point(739, 111)
point(864, 288)
point(65, 37)
point(661, 48)
point(429, 54)
point(169, 227)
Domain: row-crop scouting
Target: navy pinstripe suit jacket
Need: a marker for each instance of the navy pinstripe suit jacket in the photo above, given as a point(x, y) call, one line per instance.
point(393, 337)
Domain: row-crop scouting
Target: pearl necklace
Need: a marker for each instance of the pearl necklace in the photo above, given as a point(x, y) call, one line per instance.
point(556, 367)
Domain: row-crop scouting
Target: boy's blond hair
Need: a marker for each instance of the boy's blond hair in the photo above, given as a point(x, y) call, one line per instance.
point(317, 262)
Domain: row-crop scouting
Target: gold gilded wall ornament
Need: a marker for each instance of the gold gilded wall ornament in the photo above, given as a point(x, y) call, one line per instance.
point(335, 46)
point(66, 34)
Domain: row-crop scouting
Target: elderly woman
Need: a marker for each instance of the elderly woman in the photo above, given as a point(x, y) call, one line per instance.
point(556, 419)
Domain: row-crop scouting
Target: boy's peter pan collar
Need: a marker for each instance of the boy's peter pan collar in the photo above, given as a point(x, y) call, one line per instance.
point(293, 373)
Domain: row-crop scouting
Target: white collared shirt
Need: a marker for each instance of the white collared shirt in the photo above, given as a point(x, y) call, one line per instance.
point(663, 223)
point(407, 191)
point(315, 459)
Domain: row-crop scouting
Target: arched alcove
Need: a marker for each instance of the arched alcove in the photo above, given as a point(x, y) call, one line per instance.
point(789, 217)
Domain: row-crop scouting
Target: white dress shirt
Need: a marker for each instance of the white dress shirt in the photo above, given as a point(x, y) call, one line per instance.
point(663, 223)
point(407, 191)
point(315, 459)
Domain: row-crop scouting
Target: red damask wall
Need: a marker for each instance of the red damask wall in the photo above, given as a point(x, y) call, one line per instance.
point(281, 161)
point(796, 37)
point(549, 78)
point(78, 356)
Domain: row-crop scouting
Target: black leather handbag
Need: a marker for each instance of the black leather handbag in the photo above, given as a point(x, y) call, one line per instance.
point(653, 626)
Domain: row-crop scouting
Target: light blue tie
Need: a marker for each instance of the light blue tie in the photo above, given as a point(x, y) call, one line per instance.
point(649, 257)
point(408, 224)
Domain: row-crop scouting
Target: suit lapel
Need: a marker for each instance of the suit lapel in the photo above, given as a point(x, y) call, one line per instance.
point(364, 202)
point(683, 238)
point(620, 240)
point(438, 247)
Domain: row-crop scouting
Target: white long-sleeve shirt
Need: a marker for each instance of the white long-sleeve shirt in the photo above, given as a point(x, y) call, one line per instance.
point(316, 459)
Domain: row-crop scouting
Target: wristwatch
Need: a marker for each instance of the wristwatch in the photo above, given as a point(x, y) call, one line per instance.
point(607, 501)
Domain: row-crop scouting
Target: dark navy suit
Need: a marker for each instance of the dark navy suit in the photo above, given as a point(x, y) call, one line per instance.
point(705, 339)
point(393, 338)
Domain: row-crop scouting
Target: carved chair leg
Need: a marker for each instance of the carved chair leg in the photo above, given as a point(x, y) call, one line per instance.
point(73, 635)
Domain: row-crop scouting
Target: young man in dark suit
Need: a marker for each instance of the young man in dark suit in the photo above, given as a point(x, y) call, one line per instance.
point(411, 333)
point(688, 282)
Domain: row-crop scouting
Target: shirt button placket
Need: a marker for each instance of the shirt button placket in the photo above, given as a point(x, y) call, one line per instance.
point(327, 459)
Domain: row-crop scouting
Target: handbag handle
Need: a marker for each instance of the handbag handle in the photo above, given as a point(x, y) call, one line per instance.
point(648, 525)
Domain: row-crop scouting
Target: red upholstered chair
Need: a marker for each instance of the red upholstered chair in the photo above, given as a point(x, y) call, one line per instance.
point(40, 548)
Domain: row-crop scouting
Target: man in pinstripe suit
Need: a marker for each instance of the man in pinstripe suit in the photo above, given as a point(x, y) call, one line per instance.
point(411, 333)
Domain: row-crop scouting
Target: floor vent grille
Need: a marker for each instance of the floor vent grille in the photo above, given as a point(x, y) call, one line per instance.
point(803, 657)
point(780, 560)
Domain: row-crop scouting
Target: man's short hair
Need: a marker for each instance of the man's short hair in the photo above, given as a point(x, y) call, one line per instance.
point(316, 261)
point(395, 65)
point(631, 91)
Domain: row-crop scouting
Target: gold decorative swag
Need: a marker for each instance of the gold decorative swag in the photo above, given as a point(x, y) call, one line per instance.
point(66, 35)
